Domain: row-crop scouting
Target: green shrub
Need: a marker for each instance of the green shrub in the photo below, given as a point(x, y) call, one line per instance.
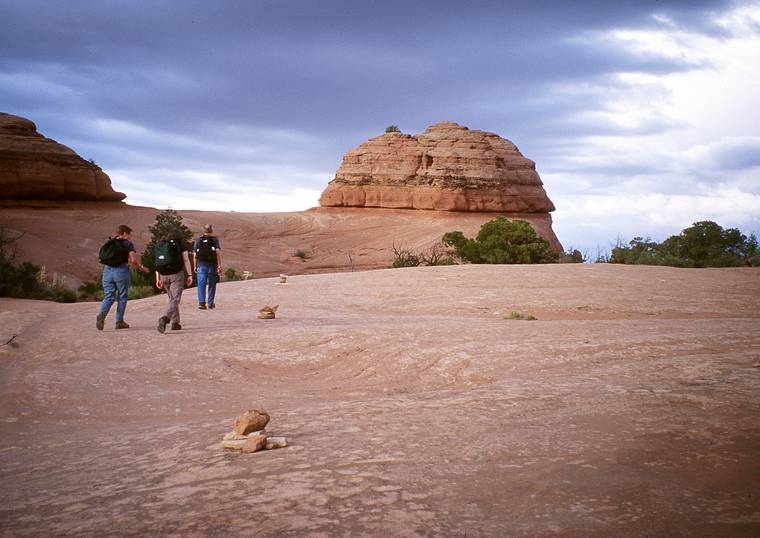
point(300, 254)
point(230, 274)
point(140, 292)
point(704, 244)
point(167, 222)
point(392, 129)
point(519, 315)
point(501, 241)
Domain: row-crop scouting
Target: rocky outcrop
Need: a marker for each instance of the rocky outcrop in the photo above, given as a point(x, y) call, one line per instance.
point(35, 167)
point(448, 167)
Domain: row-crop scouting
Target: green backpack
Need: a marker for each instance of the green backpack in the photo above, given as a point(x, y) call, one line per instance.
point(168, 256)
point(113, 252)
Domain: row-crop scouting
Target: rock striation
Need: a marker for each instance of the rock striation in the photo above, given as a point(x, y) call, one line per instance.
point(448, 167)
point(35, 167)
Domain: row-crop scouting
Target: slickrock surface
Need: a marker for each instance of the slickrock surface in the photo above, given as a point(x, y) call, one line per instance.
point(448, 167)
point(35, 167)
point(65, 236)
point(411, 407)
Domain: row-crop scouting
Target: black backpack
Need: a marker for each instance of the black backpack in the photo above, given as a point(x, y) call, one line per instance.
point(113, 252)
point(168, 256)
point(205, 249)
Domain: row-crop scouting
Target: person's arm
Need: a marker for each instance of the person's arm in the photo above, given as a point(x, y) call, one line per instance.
point(188, 272)
point(159, 282)
point(218, 260)
point(195, 256)
point(134, 260)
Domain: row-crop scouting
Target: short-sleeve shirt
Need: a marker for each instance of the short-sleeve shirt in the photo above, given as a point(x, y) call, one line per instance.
point(130, 247)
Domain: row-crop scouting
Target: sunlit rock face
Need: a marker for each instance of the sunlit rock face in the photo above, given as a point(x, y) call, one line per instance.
point(35, 167)
point(448, 167)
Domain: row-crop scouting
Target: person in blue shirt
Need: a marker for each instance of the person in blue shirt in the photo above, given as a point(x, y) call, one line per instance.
point(116, 281)
point(208, 267)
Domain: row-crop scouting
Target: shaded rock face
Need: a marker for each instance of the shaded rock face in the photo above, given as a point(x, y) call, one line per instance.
point(35, 167)
point(448, 167)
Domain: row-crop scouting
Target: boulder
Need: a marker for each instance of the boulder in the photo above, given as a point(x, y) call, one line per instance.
point(35, 167)
point(251, 421)
point(448, 167)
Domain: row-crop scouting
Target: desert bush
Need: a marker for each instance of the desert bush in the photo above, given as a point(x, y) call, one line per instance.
point(230, 274)
point(140, 292)
point(404, 257)
point(519, 315)
point(300, 254)
point(501, 241)
point(436, 254)
point(392, 129)
point(703, 244)
point(573, 255)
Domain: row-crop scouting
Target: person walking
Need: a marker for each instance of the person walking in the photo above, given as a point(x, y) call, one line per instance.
point(116, 255)
point(172, 274)
point(208, 266)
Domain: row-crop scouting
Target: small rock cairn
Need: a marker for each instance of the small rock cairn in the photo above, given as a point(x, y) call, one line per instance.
point(249, 433)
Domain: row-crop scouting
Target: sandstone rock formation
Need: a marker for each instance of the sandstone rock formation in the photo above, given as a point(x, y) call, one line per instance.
point(35, 167)
point(448, 167)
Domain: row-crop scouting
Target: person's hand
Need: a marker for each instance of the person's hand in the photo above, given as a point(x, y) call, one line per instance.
point(189, 280)
point(159, 283)
point(219, 269)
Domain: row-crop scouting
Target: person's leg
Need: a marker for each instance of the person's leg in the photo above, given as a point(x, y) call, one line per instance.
point(202, 282)
point(109, 296)
point(174, 290)
point(212, 278)
point(122, 279)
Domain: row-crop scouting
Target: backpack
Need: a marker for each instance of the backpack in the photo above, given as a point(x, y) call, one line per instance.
point(168, 256)
point(113, 252)
point(204, 251)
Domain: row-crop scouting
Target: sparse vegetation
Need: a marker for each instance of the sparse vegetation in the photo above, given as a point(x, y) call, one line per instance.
point(519, 315)
point(300, 254)
point(704, 244)
point(230, 274)
point(501, 241)
point(392, 129)
point(436, 254)
point(573, 255)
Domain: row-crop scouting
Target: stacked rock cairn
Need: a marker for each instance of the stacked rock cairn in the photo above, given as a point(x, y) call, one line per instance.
point(249, 433)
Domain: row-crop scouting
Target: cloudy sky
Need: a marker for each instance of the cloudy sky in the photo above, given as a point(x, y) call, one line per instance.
point(642, 117)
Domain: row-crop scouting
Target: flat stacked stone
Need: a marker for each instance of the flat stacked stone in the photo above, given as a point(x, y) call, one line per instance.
point(448, 167)
point(35, 167)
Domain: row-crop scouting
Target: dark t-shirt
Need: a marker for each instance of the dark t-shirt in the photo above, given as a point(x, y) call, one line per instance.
point(129, 247)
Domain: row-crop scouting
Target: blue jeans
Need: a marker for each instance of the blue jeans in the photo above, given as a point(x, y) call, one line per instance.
point(116, 281)
point(206, 277)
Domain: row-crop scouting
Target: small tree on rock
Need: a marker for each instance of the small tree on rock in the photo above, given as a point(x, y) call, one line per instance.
point(501, 241)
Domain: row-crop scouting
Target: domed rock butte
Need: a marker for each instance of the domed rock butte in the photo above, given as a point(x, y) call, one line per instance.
point(35, 167)
point(448, 167)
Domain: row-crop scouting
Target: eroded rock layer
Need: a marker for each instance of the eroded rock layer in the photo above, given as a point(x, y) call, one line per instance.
point(35, 167)
point(448, 167)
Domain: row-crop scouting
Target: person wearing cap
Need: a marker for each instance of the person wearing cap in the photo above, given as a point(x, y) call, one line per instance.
point(208, 266)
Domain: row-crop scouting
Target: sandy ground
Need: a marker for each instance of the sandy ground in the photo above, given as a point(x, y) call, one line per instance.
point(413, 408)
point(65, 236)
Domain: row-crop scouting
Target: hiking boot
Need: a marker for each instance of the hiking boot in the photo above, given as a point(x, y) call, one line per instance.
point(176, 326)
point(211, 306)
point(100, 321)
point(201, 306)
point(162, 321)
point(121, 325)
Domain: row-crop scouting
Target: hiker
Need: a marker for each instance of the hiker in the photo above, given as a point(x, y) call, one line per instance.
point(208, 266)
point(116, 255)
point(172, 274)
